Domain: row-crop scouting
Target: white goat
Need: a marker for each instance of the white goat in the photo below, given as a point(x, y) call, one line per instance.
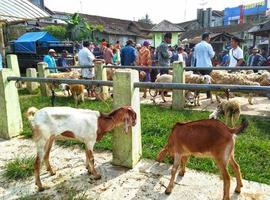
point(87, 126)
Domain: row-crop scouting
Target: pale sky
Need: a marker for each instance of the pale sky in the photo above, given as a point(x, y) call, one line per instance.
point(158, 10)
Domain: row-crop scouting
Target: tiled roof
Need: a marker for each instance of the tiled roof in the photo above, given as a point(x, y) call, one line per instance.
point(166, 26)
point(232, 29)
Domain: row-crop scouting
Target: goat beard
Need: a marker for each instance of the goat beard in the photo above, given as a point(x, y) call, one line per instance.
point(126, 126)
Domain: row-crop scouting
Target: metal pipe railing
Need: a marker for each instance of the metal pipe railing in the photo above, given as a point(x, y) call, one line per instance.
point(162, 67)
point(171, 86)
point(60, 80)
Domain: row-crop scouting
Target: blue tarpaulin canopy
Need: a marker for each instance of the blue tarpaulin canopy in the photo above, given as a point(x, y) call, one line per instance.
point(27, 43)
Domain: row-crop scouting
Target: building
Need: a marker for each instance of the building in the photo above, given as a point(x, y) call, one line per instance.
point(251, 13)
point(163, 27)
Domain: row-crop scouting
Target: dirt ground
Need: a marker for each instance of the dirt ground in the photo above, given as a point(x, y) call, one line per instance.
point(260, 107)
point(146, 181)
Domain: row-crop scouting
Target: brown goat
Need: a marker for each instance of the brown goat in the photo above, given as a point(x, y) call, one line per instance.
point(210, 138)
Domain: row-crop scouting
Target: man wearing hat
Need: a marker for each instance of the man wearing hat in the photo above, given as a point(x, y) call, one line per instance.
point(128, 54)
point(255, 59)
point(49, 59)
point(236, 53)
point(145, 60)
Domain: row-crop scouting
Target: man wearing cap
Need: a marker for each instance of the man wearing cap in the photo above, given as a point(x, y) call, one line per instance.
point(164, 54)
point(236, 53)
point(49, 59)
point(144, 59)
point(255, 59)
point(128, 54)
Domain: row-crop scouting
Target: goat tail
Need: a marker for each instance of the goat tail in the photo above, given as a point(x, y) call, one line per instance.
point(162, 154)
point(31, 113)
point(241, 128)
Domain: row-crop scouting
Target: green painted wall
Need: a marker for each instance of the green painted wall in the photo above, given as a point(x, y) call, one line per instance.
point(158, 37)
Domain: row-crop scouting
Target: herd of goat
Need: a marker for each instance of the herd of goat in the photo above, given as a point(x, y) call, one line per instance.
point(208, 137)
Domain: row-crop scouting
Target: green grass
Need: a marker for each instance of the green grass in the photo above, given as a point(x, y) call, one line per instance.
point(252, 147)
point(19, 168)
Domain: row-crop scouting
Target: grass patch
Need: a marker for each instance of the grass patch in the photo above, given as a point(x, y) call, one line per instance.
point(19, 168)
point(252, 150)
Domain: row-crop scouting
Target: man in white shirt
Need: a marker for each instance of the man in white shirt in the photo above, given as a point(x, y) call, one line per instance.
point(86, 58)
point(236, 53)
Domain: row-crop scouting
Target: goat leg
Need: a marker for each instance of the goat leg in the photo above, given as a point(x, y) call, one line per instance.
point(162, 154)
point(177, 159)
point(250, 98)
point(184, 160)
point(37, 172)
point(237, 172)
point(226, 179)
point(92, 171)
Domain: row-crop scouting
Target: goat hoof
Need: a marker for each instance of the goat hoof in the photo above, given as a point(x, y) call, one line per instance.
point(181, 173)
point(168, 191)
point(52, 173)
point(97, 177)
point(40, 189)
point(237, 190)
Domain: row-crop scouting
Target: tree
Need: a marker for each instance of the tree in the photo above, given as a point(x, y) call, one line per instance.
point(79, 28)
point(59, 32)
point(146, 19)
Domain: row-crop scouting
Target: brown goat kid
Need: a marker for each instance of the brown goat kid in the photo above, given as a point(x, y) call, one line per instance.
point(210, 138)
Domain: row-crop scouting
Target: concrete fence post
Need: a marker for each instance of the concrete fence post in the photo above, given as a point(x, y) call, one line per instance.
point(101, 74)
point(43, 73)
point(12, 63)
point(178, 97)
point(31, 86)
point(10, 111)
point(127, 148)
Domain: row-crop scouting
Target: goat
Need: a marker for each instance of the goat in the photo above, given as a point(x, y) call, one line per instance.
point(77, 91)
point(87, 126)
point(208, 137)
point(65, 87)
point(230, 109)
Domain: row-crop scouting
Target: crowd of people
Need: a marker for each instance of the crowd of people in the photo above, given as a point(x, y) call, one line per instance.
point(146, 56)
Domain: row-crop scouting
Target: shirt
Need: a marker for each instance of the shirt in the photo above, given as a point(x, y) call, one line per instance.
point(51, 63)
point(107, 55)
point(180, 57)
point(1, 62)
point(86, 58)
point(163, 55)
point(237, 53)
point(203, 54)
point(144, 57)
point(128, 55)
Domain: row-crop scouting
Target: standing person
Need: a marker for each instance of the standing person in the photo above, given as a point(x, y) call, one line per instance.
point(154, 72)
point(49, 59)
point(225, 58)
point(256, 59)
point(97, 52)
point(144, 60)
point(108, 55)
point(117, 45)
point(116, 58)
point(1, 62)
point(203, 53)
point(236, 53)
point(62, 61)
point(164, 54)
point(128, 54)
point(86, 58)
